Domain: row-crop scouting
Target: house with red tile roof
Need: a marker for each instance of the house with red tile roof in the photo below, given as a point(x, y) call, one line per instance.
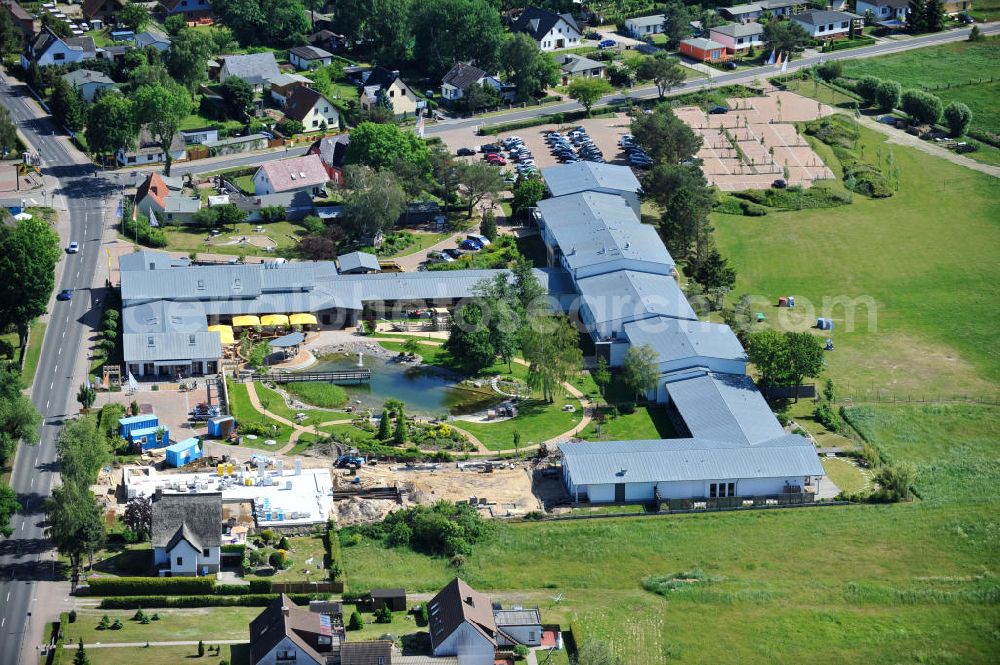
point(298, 174)
point(162, 197)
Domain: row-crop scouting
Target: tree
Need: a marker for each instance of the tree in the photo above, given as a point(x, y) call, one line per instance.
point(383, 426)
point(187, 59)
point(934, 16)
point(162, 107)
point(922, 107)
point(278, 23)
point(238, 96)
point(480, 181)
point(10, 39)
point(58, 26)
point(666, 72)
point(29, 251)
point(488, 227)
point(665, 137)
point(66, 105)
point(602, 375)
point(175, 24)
point(527, 193)
point(86, 396)
point(677, 22)
point(958, 117)
point(867, 87)
point(139, 516)
point(469, 341)
point(887, 95)
point(382, 146)
point(149, 74)
point(80, 657)
point(401, 434)
point(201, 649)
point(19, 420)
point(784, 36)
point(916, 16)
point(82, 450)
point(355, 622)
point(8, 506)
point(75, 523)
point(596, 652)
point(450, 31)
point(639, 369)
point(588, 90)
point(713, 271)
point(374, 203)
point(830, 70)
point(768, 351)
point(480, 96)
point(976, 35)
point(528, 69)
point(550, 344)
point(133, 16)
point(682, 193)
point(805, 358)
point(8, 133)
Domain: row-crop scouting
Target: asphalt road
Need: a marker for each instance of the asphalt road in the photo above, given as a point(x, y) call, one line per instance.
point(26, 558)
point(743, 76)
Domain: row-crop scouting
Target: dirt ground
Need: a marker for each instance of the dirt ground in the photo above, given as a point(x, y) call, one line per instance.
point(604, 131)
point(169, 404)
point(762, 128)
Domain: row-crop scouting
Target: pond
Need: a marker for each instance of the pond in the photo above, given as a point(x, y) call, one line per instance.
point(426, 390)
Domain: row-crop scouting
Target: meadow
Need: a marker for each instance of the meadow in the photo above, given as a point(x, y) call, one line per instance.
point(866, 583)
point(925, 258)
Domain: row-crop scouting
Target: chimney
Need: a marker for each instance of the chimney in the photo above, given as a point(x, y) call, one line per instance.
point(469, 601)
point(285, 610)
point(158, 494)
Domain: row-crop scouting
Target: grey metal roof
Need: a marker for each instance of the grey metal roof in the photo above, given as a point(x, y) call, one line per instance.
point(357, 261)
point(182, 204)
point(822, 16)
point(724, 407)
point(162, 316)
point(309, 53)
point(591, 228)
point(666, 460)
point(740, 29)
point(141, 261)
point(749, 8)
point(702, 43)
point(629, 296)
point(78, 77)
point(154, 347)
point(287, 341)
point(673, 339)
point(254, 68)
point(655, 19)
point(520, 617)
point(573, 63)
point(234, 140)
point(589, 176)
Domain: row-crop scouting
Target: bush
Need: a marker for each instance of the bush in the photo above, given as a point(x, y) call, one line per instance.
point(867, 87)
point(957, 116)
point(150, 586)
point(117, 625)
point(922, 107)
point(279, 559)
point(887, 95)
point(830, 70)
point(283, 543)
point(104, 623)
point(520, 651)
point(233, 589)
point(356, 622)
point(383, 615)
point(72, 616)
point(260, 586)
point(176, 602)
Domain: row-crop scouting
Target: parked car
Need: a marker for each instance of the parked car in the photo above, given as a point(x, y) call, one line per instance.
point(718, 110)
point(966, 18)
point(593, 34)
point(489, 148)
point(607, 43)
point(495, 159)
point(470, 245)
point(65, 294)
point(439, 256)
point(779, 183)
point(465, 152)
point(73, 247)
point(480, 238)
point(452, 252)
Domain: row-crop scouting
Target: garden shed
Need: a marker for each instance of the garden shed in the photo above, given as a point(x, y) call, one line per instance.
point(394, 599)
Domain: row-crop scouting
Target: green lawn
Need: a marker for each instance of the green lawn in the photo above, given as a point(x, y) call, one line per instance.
point(207, 623)
point(195, 239)
point(275, 403)
point(242, 410)
point(35, 337)
point(235, 654)
point(245, 183)
point(300, 550)
point(818, 91)
point(421, 241)
point(986, 10)
point(372, 631)
point(898, 583)
point(845, 474)
point(932, 276)
point(646, 422)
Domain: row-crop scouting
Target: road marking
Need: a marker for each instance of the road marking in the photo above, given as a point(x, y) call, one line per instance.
point(46, 408)
point(4, 620)
point(8, 596)
point(52, 385)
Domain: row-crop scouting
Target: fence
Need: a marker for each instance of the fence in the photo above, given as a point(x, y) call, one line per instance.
point(879, 397)
point(805, 391)
point(307, 587)
point(346, 376)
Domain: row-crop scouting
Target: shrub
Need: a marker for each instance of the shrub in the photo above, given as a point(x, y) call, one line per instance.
point(201, 648)
point(887, 95)
point(260, 586)
point(279, 559)
point(175, 602)
point(235, 589)
point(104, 623)
point(139, 615)
point(356, 622)
point(922, 107)
point(150, 586)
point(422, 619)
point(830, 70)
point(957, 116)
point(72, 616)
point(283, 543)
point(520, 651)
point(117, 625)
point(383, 615)
point(867, 87)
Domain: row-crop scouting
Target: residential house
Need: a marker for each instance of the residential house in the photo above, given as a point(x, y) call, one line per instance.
point(192, 10)
point(738, 37)
point(298, 174)
point(363, 263)
point(332, 150)
point(550, 31)
point(186, 533)
point(199, 135)
point(23, 20)
point(378, 652)
point(162, 198)
point(518, 625)
point(762, 9)
point(283, 84)
point(327, 40)
point(149, 151)
point(462, 76)
point(312, 109)
point(381, 83)
point(826, 24)
point(47, 48)
point(154, 38)
point(112, 53)
point(573, 66)
point(103, 10)
point(287, 633)
point(644, 26)
point(883, 10)
point(308, 57)
point(254, 68)
point(956, 6)
point(703, 50)
point(88, 82)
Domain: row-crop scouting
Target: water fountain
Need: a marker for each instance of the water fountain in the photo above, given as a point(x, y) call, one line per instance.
point(361, 361)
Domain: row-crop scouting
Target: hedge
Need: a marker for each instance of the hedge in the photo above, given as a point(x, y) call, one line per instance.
point(260, 586)
point(150, 586)
point(233, 548)
point(232, 590)
point(246, 600)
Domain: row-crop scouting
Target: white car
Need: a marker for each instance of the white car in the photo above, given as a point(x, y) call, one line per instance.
point(73, 247)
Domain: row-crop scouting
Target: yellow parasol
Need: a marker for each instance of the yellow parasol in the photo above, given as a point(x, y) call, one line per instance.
point(225, 333)
point(302, 319)
point(246, 321)
point(274, 320)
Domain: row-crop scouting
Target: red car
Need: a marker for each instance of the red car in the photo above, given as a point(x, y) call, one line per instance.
point(496, 160)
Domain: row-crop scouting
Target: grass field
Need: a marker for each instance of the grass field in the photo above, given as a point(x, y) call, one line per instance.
point(241, 409)
point(208, 623)
point(300, 550)
point(235, 654)
point(933, 277)
point(193, 239)
point(275, 403)
point(898, 583)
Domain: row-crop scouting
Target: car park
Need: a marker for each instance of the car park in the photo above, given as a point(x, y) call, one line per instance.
point(73, 247)
point(65, 294)
point(465, 152)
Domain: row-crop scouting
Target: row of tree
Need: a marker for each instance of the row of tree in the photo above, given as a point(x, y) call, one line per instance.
point(923, 107)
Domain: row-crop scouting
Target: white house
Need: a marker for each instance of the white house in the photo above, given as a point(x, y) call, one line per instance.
point(825, 24)
point(47, 48)
point(462, 76)
point(298, 174)
point(738, 37)
point(883, 10)
point(149, 151)
point(519, 625)
point(384, 84)
point(285, 633)
point(88, 82)
point(307, 57)
point(187, 533)
point(550, 31)
point(642, 26)
point(312, 109)
point(256, 69)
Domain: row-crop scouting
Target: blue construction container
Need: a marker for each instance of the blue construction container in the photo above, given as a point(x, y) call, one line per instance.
point(127, 425)
point(221, 426)
point(147, 438)
point(185, 452)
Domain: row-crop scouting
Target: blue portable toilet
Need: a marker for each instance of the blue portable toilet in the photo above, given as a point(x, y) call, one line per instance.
point(147, 437)
point(791, 301)
point(142, 421)
point(821, 323)
point(221, 426)
point(184, 452)
point(829, 324)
